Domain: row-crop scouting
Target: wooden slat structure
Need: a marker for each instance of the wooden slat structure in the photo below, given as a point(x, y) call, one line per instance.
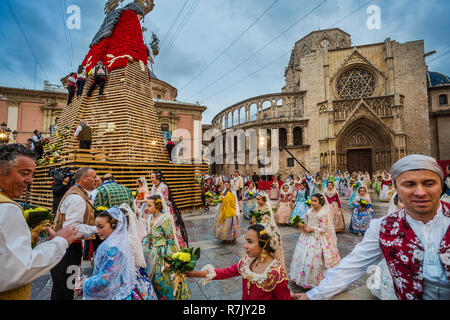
point(127, 140)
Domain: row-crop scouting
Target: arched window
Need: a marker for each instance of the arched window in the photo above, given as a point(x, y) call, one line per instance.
point(298, 136)
point(282, 137)
point(443, 100)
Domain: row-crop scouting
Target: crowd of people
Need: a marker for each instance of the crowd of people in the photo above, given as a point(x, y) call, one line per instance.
point(128, 236)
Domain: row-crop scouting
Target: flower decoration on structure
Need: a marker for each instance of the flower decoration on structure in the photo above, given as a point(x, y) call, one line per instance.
point(52, 151)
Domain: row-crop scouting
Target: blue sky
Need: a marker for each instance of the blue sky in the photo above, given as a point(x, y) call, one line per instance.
point(203, 30)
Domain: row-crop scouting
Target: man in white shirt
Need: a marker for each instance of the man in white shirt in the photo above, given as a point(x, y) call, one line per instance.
point(238, 184)
point(74, 210)
point(19, 263)
point(415, 241)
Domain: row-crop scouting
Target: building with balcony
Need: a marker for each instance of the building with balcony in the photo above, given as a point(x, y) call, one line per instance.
point(345, 107)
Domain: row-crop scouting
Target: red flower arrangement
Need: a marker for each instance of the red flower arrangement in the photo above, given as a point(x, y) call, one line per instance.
point(126, 39)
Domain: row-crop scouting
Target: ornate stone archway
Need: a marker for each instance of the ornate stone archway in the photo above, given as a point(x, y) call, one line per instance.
point(366, 143)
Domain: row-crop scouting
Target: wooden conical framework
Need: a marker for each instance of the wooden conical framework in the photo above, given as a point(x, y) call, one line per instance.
point(125, 124)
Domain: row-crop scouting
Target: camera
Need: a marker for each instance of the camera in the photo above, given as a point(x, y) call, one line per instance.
point(61, 173)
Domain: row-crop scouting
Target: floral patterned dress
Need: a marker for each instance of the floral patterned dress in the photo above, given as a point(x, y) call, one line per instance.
point(300, 208)
point(284, 210)
point(249, 203)
point(226, 223)
point(335, 204)
point(361, 217)
point(315, 252)
point(160, 242)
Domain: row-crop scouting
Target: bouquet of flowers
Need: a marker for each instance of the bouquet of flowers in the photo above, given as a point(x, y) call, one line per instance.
point(208, 195)
point(134, 193)
point(364, 204)
point(257, 215)
point(296, 220)
point(308, 203)
point(38, 219)
point(354, 186)
point(178, 264)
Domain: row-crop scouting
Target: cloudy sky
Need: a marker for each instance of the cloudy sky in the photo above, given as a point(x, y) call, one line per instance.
point(214, 52)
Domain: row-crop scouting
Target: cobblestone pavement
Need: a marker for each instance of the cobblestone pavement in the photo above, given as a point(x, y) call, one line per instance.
point(199, 226)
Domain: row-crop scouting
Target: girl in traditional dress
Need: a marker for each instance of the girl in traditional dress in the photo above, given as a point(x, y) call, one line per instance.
point(161, 241)
point(160, 187)
point(226, 224)
point(348, 187)
point(274, 191)
point(301, 208)
point(385, 187)
point(316, 249)
point(284, 206)
point(249, 201)
point(362, 214)
point(332, 197)
point(113, 276)
point(261, 268)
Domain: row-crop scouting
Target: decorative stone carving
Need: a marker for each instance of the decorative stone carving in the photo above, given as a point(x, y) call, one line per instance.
point(356, 83)
point(359, 139)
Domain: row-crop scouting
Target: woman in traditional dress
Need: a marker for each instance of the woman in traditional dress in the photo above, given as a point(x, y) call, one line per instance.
point(317, 181)
point(226, 224)
point(113, 276)
point(316, 249)
point(142, 193)
point(351, 199)
point(332, 197)
point(284, 206)
point(301, 208)
point(341, 185)
point(262, 266)
point(160, 242)
point(274, 191)
point(362, 213)
point(160, 187)
point(249, 200)
point(385, 187)
point(377, 184)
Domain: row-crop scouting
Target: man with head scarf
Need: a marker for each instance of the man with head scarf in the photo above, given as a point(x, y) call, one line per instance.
point(415, 240)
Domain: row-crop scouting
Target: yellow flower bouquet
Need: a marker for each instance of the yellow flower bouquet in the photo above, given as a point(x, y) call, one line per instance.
point(180, 262)
point(38, 219)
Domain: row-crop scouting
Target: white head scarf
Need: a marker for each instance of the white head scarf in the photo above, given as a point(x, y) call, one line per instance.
point(134, 237)
point(123, 279)
point(416, 162)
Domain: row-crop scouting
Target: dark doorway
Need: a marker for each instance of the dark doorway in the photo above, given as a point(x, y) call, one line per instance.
point(359, 160)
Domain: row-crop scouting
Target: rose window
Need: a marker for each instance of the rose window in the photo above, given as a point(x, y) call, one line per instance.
point(356, 83)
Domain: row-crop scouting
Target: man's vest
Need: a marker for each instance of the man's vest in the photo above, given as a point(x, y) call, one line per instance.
point(85, 133)
point(23, 292)
point(404, 254)
point(88, 217)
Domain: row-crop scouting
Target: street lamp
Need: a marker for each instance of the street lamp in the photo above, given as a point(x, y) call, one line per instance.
point(4, 133)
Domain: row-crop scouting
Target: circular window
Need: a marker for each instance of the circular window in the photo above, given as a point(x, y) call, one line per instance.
point(356, 83)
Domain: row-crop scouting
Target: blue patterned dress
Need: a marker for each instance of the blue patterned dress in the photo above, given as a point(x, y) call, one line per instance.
point(249, 204)
point(300, 208)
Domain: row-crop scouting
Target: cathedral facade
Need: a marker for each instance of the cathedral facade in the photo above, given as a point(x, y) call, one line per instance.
point(347, 107)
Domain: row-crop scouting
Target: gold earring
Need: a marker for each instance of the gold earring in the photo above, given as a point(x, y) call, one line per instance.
point(263, 255)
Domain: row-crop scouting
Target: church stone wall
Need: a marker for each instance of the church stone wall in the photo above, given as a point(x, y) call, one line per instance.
point(410, 81)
